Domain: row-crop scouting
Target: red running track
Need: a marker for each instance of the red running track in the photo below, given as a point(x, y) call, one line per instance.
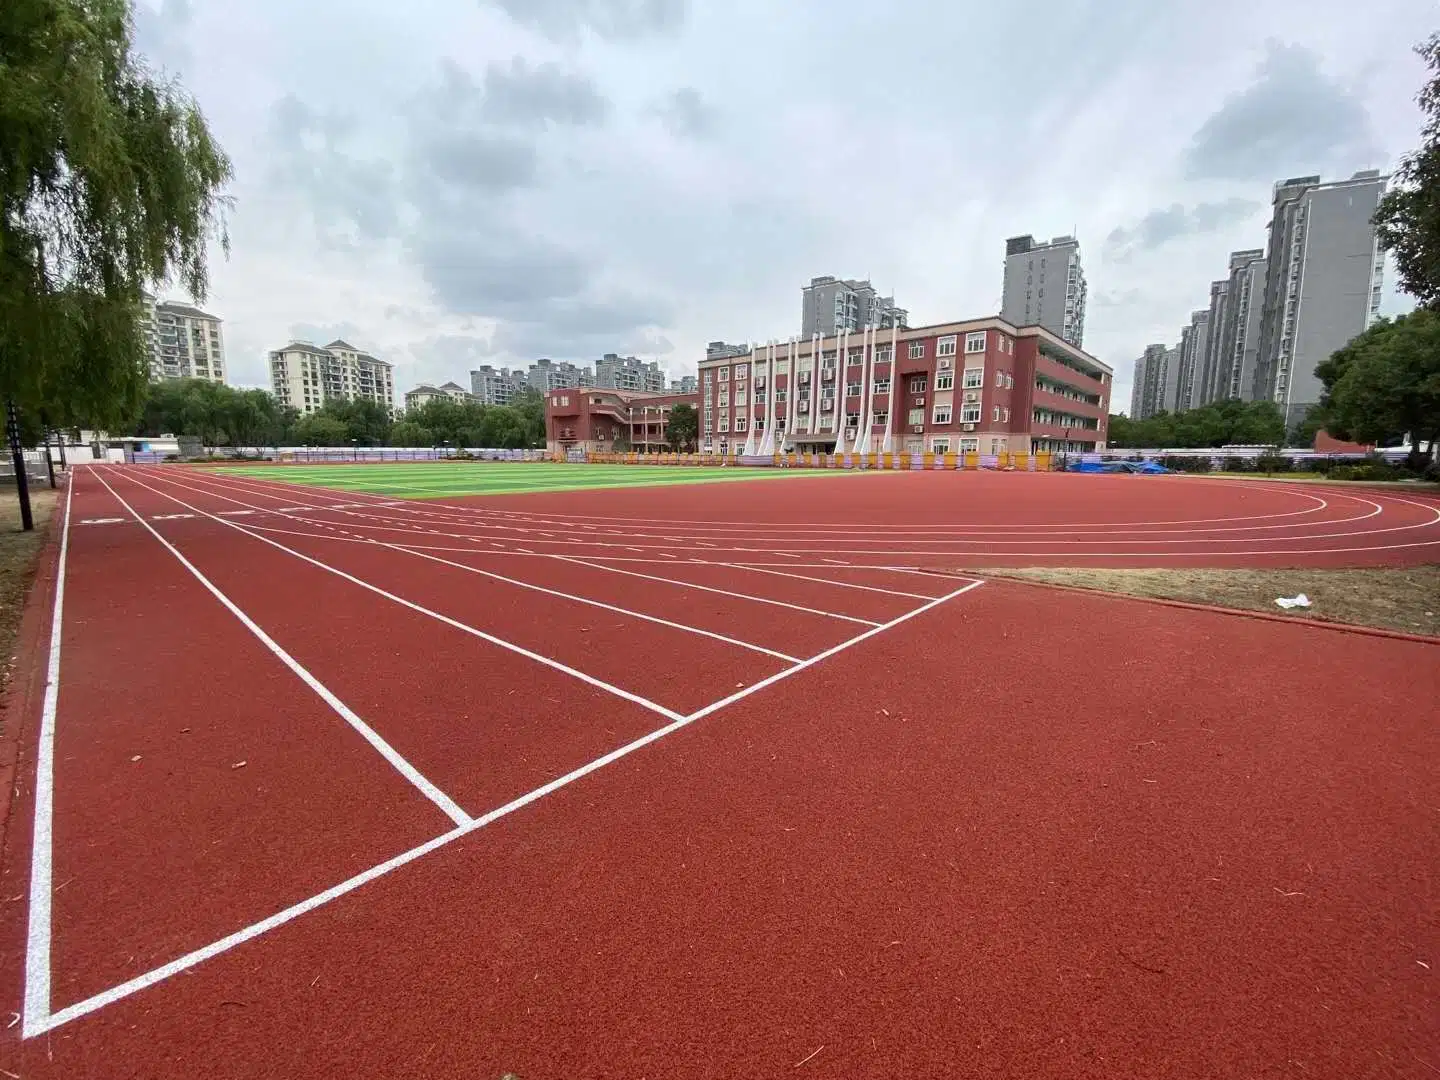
point(919, 518)
point(870, 822)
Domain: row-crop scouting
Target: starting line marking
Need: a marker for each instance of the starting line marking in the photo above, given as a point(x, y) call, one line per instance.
point(100, 521)
point(38, 1018)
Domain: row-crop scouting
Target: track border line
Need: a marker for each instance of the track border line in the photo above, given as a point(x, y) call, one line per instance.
point(44, 1020)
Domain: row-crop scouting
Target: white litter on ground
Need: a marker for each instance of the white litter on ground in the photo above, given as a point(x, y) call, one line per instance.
point(1288, 602)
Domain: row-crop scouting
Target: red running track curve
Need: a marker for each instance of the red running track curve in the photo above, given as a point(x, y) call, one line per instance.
point(759, 797)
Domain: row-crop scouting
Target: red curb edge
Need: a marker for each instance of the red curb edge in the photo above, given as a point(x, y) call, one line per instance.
point(1186, 605)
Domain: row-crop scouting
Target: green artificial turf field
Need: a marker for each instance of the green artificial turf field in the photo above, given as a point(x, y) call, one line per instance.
point(438, 479)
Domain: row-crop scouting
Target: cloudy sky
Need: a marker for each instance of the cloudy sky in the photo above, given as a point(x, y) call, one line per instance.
point(454, 182)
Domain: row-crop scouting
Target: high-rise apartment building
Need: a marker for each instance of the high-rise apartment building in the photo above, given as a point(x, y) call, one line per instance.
point(686, 384)
point(1323, 278)
point(546, 375)
point(614, 372)
point(830, 305)
point(1237, 347)
point(306, 376)
point(1152, 374)
point(1210, 366)
point(184, 342)
point(496, 386)
point(1045, 286)
point(1194, 344)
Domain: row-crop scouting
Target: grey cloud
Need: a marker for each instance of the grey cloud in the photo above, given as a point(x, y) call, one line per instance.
point(350, 198)
point(582, 328)
point(493, 272)
point(1292, 119)
point(1161, 226)
point(565, 20)
point(528, 96)
point(452, 352)
point(485, 163)
point(685, 113)
point(1115, 298)
point(324, 333)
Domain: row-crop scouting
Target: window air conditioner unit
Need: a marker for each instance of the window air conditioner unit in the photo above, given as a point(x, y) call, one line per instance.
point(972, 395)
point(917, 428)
point(969, 427)
point(919, 402)
point(946, 363)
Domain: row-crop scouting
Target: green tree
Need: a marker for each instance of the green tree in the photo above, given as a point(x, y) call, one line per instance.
point(317, 429)
point(684, 429)
point(1408, 218)
point(409, 433)
point(1220, 423)
point(109, 181)
point(1385, 385)
point(366, 422)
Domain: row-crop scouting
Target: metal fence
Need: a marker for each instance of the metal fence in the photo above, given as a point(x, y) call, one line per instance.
point(352, 454)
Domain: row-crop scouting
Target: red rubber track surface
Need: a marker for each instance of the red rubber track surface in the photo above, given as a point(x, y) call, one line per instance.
point(935, 518)
point(1022, 833)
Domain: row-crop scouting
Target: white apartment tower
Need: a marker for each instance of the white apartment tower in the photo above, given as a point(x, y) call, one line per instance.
point(1045, 286)
point(184, 342)
point(307, 376)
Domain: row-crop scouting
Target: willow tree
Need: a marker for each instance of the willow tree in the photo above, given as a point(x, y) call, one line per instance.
point(110, 183)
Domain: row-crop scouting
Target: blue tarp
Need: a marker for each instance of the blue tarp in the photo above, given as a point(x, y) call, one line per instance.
point(1117, 467)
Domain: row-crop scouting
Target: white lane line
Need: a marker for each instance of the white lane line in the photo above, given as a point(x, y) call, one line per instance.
point(37, 944)
point(1069, 550)
point(836, 562)
point(280, 918)
point(720, 592)
point(812, 661)
point(736, 642)
point(827, 581)
point(446, 804)
point(595, 603)
point(510, 646)
point(235, 513)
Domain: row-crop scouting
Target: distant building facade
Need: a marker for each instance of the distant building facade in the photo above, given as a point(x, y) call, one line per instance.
point(1152, 375)
point(595, 419)
point(425, 393)
point(496, 386)
point(614, 372)
point(831, 305)
point(1323, 279)
point(184, 342)
point(546, 375)
point(306, 376)
point(686, 384)
point(1045, 286)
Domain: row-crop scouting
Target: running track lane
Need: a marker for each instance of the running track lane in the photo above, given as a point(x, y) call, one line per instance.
point(1213, 522)
point(161, 843)
point(483, 724)
point(605, 644)
point(1137, 872)
point(419, 530)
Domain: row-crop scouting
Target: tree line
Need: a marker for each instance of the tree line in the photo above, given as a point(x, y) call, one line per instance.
point(222, 416)
point(1220, 423)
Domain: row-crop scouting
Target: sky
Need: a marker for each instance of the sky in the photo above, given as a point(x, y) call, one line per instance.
point(448, 183)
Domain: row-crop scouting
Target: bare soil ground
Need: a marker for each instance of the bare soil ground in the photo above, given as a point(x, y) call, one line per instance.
point(1402, 599)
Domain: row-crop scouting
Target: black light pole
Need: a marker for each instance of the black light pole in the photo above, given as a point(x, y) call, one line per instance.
point(17, 454)
point(1067, 449)
point(354, 449)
